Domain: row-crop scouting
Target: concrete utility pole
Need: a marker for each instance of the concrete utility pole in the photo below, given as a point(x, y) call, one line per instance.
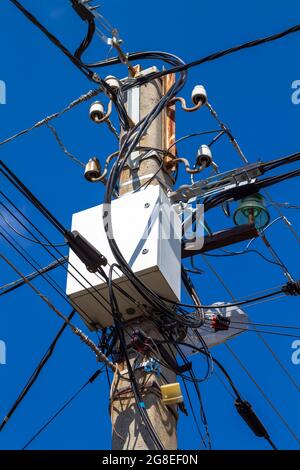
point(128, 430)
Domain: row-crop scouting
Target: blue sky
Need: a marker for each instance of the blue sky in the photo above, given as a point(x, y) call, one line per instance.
point(251, 91)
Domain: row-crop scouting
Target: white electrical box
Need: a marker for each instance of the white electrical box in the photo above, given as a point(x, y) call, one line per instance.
point(147, 231)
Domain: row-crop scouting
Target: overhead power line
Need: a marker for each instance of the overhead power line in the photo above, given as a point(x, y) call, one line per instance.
point(216, 55)
point(172, 316)
point(245, 368)
point(5, 289)
point(84, 338)
point(62, 146)
point(54, 40)
point(91, 380)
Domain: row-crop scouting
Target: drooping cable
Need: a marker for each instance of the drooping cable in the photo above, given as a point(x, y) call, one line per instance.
point(76, 61)
point(84, 338)
point(135, 388)
point(220, 54)
point(91, 380)
point(243, 366)
point(243, 407)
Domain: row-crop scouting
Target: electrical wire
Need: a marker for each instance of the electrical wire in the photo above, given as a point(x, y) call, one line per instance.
point(95, 294)
point(83, 98)
point(261, 337)
point(57, 288)
point(244, 252)
point(194, 134)
point(19, 282)
point(24, 236)
point(286, 205)
point(275, 409)
point(227, 131)
point(234, 304)
point(84, 338)
point(89, 19)
point(76, 61)
point(276, 333)
point(129, 144)
point(197, 389)
point(91, 380)
point(288, 223)
point(135, 388)
point(80, 65)
point(168, 340)
point(216, 55)
point(233, 386)
point(62, 146)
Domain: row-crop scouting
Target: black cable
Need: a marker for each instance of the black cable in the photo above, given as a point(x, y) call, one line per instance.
point(216, 138)
point(167, 57)
point(245, 252)
point(64, 406)
point(24, 236)
point(20, 282)
point(17, 183)
point(168, 341)
point(82, 67)
point(76, 61)
point(235, 304)
point(194, 134)
point(193, 411)
point(118, 325)
point(217, 55)
point(197, 389)
point(238, 192)
point(17, 247)
point(86, 15)
point(271, 165)
point(187, 282)
point(276, 333)
point(243, 407)
point(99, 295)
point(27, 257)
point(50, 217)
point(37, 371)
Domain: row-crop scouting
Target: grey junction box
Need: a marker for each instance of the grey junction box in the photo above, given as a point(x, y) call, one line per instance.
point(147, 231)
